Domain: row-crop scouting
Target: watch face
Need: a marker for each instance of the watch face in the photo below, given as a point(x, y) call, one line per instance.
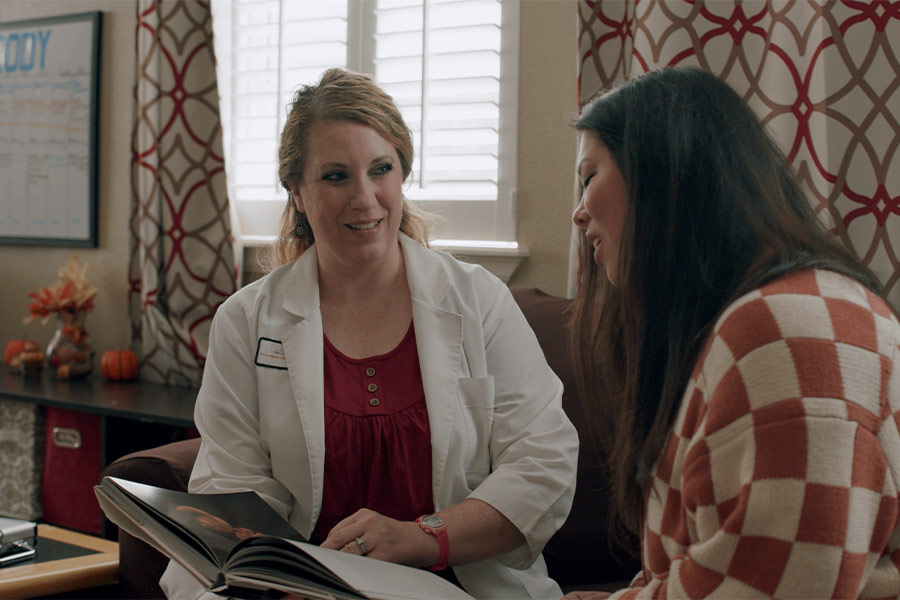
point(432, 521)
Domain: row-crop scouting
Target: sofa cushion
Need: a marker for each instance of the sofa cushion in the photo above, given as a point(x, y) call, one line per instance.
point(166, 466)
point(579, 554)
point(169, 466)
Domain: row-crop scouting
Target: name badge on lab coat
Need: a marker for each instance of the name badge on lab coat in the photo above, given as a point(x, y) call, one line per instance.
point(270, 353)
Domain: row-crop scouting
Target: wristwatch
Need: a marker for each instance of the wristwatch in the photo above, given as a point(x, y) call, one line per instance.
point(434, 525)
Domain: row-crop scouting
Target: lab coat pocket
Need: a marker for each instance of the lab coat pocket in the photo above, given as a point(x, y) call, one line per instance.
point(476, 397)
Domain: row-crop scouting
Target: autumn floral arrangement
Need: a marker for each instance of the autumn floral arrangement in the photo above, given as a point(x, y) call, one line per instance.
point(69, 299)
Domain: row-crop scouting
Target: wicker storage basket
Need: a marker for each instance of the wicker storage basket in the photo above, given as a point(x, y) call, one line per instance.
point(21, 459)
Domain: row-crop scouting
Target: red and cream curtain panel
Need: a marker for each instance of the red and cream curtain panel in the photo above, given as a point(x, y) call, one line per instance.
point(823, 75)
point(183, 259)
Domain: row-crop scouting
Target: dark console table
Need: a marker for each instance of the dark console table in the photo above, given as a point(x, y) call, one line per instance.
point(135, 400)
point(134, 415)
point(127, 417)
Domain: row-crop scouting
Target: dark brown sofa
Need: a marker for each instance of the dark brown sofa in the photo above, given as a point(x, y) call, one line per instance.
point(578, 556)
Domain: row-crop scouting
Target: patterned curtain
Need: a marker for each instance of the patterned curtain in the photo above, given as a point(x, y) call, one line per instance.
point(183, 259)
point(822, 75)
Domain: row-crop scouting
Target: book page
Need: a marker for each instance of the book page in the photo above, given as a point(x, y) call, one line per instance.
point(220, 521)
point(134, 520)
point(384, 580)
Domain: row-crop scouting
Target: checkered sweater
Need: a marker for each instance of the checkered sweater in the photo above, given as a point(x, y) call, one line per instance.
point(781, 475)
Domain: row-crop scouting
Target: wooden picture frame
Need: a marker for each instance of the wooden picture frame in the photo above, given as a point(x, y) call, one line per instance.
point(49, 96)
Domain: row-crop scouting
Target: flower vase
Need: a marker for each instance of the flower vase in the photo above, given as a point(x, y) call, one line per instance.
point(69, 354)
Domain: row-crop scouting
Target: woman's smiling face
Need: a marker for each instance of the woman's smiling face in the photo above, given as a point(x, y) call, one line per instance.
point(604, 202)
point(351, 193)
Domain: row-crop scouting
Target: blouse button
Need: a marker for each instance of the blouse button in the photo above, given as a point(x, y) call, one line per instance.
point(374, 402)
point(370, 371)
point(372, 387)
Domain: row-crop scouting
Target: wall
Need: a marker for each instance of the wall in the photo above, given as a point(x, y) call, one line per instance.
point(25, 269)
point(545, 167)
point(547, 143)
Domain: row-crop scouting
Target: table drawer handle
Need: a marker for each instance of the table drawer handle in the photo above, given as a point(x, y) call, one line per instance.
point(65, 437)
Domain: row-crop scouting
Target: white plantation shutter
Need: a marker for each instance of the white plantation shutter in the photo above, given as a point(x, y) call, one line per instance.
point(451, 66)
point(441, 63)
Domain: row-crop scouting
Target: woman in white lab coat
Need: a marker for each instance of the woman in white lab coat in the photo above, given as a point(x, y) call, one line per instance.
point(385, 398)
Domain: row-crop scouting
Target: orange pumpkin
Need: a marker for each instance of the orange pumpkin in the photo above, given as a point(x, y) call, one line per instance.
point(15, 348)
point(119, 365)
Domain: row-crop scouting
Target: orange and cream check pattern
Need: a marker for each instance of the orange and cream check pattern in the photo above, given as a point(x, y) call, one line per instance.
point(781, 475)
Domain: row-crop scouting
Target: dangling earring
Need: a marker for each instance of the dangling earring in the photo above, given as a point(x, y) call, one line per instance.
point(302, 225)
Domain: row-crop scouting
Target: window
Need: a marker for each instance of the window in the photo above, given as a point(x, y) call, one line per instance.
point(451, 66)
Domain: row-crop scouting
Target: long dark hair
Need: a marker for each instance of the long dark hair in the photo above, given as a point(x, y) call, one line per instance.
point(714, 211)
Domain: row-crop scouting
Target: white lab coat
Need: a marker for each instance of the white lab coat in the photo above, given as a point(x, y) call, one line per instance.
point(498, 430)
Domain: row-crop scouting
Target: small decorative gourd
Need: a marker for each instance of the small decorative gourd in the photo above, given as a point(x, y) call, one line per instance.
point(119, 365)
point(13, 349)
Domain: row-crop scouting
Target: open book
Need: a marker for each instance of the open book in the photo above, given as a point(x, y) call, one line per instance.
point(237, 544)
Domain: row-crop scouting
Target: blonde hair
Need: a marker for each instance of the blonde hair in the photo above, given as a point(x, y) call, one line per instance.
point(339, 95)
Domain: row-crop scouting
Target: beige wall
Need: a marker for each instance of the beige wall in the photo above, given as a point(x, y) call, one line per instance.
point(24, 269)
point(547, 146)
point(545, 166)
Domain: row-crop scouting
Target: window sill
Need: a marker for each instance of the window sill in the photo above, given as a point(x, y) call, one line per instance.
point(500, 258)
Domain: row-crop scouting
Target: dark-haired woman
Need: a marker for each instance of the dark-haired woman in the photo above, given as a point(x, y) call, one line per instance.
point(755, 363)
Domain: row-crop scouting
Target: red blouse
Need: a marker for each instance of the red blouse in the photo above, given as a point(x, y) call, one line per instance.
point(377, 438)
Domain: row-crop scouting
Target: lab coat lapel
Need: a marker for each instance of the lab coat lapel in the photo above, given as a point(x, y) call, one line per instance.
point(303, 348)
point(439, 342)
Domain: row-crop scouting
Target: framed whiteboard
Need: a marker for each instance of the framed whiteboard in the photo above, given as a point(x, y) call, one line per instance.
point(49, 87)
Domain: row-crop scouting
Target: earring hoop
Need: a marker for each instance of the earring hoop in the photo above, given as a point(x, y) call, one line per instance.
point(301, 230)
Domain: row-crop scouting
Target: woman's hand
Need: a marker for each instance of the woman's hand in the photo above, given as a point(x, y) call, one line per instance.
point(476, 531)
point(377, 536)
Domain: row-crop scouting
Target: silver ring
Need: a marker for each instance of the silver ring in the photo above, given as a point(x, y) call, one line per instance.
point(361, 544)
